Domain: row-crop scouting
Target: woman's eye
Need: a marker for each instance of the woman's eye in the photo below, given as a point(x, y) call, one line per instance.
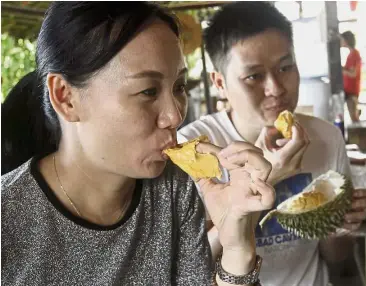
point(181, 88)
point(286, 68)
point(150, 92)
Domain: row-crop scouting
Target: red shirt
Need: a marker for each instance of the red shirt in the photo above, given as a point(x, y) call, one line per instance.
point(352, 84)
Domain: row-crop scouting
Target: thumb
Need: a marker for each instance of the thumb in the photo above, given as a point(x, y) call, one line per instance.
point(260, 142)
point(205, 184)
point(272, 136)
point(208, 148)
point(267, 138)
point(209, 186)
point(282, 142)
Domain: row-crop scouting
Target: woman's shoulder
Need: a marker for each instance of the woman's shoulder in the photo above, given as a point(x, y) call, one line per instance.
point(18, 195)
point(19, 178)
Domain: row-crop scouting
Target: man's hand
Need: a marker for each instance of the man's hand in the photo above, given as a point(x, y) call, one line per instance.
point(232, 204)
point(286, 157)
point(355, 217)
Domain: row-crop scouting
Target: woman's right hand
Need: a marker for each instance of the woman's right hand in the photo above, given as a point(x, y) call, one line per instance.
point(287, 156)
point(232, 206)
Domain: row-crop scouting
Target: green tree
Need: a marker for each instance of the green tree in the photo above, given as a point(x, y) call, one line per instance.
point(17, 59)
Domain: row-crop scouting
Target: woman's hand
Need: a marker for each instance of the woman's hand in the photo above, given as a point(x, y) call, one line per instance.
point(286, 157)
point(231, 205)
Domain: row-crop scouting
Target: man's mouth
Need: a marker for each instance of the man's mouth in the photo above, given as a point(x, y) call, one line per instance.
point(276, 107)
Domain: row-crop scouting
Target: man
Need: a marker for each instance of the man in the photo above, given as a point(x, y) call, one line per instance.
point(251, 47)
point(351, 74)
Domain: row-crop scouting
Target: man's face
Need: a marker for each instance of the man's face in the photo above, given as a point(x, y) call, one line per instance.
point(261, 79)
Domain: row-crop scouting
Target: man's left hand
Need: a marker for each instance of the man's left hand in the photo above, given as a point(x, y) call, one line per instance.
point(357, 214)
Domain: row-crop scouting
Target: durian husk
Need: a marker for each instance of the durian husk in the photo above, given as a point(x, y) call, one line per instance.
point(195, 164)
point(318, 222)
point(284, 123)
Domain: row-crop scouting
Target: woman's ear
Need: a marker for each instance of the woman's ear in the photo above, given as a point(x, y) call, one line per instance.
point(63, 97)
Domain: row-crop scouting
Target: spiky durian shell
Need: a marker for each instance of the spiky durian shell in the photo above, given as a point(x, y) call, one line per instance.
point(319, 222)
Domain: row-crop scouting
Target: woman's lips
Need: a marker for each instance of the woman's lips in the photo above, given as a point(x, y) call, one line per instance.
point(169, 145)
point(164, 156)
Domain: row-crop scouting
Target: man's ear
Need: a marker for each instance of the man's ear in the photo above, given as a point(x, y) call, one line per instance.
point(63, 97)
point(218, 80)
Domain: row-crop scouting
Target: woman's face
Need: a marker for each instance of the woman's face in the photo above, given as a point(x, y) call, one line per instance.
point(130, 110)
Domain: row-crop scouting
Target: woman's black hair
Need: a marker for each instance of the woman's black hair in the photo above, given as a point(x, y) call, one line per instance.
point(23, 129)
point(76, 40)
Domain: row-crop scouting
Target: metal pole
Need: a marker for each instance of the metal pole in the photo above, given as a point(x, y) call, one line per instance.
point(204, 74)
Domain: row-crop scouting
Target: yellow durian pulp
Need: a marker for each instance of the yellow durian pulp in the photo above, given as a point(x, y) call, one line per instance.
point(195, 164)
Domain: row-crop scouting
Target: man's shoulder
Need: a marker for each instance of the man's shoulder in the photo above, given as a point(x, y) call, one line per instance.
point(204, 122)
point(318, 127)
point(217, 126)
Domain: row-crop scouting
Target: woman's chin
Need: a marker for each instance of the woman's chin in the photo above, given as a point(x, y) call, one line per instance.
point(155, 169)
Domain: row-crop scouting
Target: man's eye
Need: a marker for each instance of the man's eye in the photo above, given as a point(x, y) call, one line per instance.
point(150, 92)
point(256, 76)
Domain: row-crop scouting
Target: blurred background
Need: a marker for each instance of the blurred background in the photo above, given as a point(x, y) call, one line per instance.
point(319, 55)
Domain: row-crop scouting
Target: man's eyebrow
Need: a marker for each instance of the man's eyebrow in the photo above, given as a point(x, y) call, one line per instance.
point(250, 67)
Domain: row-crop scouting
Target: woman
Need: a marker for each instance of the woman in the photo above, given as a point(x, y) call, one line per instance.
point(106, 207)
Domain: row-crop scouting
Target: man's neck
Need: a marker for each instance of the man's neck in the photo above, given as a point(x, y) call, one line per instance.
point(247, 130)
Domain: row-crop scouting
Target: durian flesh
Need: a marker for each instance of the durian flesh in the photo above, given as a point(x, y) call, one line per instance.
point(284, 123)
point(195, 164)
point(309, 200)
point(318, 210)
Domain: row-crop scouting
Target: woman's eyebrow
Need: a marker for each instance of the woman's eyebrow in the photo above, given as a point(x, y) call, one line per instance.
point(153, 74)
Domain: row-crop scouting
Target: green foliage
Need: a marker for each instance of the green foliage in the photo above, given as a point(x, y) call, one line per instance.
point(204, 14)
point(17, 59)
point(194, 59)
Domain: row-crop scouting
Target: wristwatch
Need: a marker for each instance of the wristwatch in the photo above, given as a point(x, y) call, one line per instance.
point(250, 278)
